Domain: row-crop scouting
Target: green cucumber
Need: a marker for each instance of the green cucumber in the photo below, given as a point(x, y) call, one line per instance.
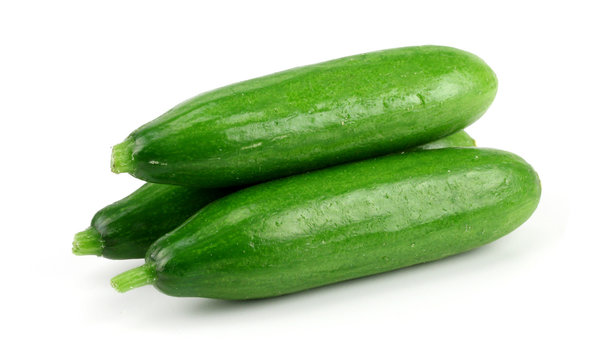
point(458, 139)
point(126, 228)
point(341, 223)
point(311, 117)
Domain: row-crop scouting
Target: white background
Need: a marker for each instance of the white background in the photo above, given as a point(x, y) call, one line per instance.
point(77, 77)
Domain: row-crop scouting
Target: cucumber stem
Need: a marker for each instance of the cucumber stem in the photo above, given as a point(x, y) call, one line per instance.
point(137, 277)
point(87, 242)
point(122, 156)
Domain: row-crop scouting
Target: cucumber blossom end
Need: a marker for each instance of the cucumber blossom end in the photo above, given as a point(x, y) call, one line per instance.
point(137, 277)
point(88, 242)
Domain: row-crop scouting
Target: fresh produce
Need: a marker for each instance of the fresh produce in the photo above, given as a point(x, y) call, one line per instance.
point(311, 117)
point(126, 228)
point(341, 223)
point(312, 176)
point(458, 139)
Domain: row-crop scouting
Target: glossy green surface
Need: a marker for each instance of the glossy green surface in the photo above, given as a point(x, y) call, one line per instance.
point(311, 117)
point(126, 228)
point(458, 139)
point(132, 224)
point(342, 223)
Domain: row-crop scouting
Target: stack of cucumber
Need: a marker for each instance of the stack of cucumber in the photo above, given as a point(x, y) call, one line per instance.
point(313, 175)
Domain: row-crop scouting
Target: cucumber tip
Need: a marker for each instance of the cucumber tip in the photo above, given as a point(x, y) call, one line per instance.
point(133, 278)
point(87, 242)
point(121, 160)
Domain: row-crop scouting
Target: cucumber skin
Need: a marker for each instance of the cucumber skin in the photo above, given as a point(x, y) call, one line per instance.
point(129, 226)
point(345, 222)
point(311, 117)
point(458, 139)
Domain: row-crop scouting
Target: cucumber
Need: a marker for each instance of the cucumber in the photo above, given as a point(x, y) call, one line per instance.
point(341, 223)
point(311, 117)
point(458, 139)
point(126, 229)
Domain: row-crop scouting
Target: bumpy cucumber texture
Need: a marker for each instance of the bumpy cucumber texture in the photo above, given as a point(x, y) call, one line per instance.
point(341, 223)
point(126, 228)
point(311, 117)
